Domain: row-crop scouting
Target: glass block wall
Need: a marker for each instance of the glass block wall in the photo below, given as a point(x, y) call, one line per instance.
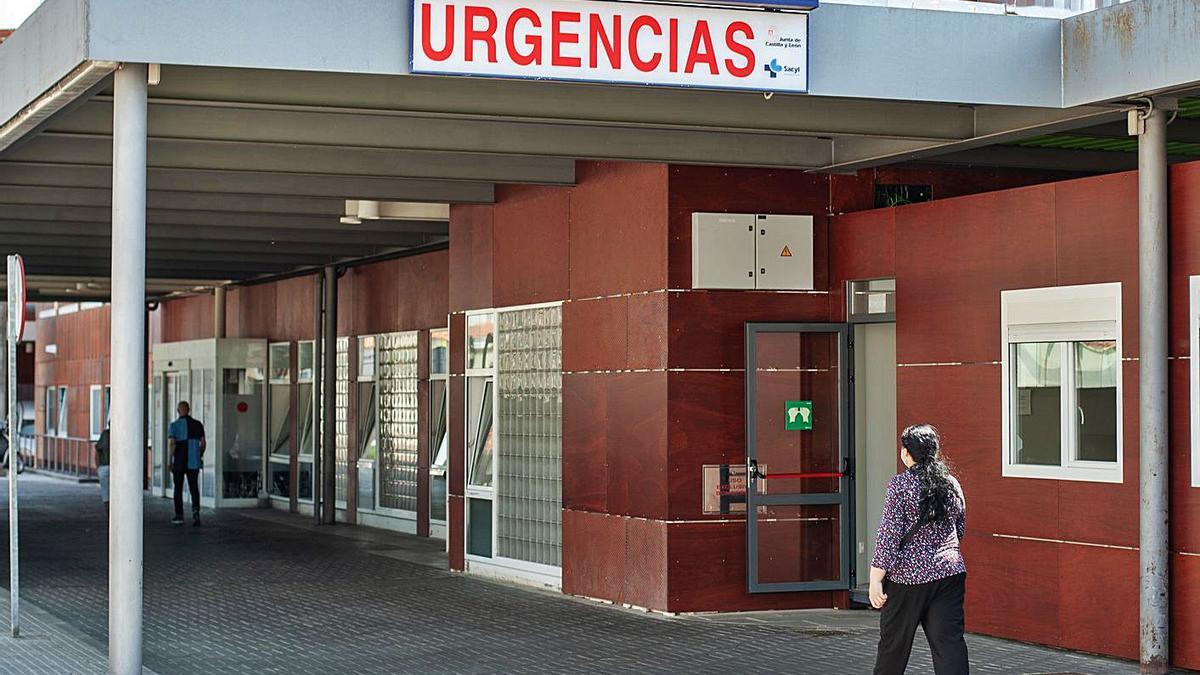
point(529, 459)
point(398, 438)
point(341, 416)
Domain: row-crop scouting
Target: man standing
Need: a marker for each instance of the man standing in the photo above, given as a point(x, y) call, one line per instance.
point(187, 435)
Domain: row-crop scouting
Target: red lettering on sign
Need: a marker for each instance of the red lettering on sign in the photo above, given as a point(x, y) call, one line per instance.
point(701, 50)
point(534, 41)
point(486, 35)
point(673, 41)
point(635, 57)
point(558, 38)
point(611, 41)
point(739, 48)
point(443, 53)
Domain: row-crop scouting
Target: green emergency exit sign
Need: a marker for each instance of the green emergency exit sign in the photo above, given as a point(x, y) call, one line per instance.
point(798, 416)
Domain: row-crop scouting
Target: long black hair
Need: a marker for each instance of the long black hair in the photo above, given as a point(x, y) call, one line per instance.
point(937, 490)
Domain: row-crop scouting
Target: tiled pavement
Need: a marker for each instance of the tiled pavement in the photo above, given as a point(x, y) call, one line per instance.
point(260, 592)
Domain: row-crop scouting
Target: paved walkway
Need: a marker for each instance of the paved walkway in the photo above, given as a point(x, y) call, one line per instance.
point(261, 592)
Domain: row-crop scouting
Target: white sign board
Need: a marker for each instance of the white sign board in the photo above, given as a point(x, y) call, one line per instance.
point(617, 42)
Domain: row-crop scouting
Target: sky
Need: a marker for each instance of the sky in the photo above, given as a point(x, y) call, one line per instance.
point(13, 12)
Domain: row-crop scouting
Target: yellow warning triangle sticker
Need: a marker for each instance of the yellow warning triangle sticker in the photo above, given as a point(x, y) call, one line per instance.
point(785, 253)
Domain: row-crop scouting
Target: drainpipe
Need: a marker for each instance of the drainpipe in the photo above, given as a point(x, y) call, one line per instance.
point(219, 312)
point(319, 399)
point(1150, 125)
point(328, 437)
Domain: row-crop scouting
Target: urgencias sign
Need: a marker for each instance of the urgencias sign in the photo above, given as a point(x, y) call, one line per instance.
point(619, 42)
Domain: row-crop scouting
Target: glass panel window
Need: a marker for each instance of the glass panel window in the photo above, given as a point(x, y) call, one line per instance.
point(1037, 403)
point(479, 431)
point(439, 351)
point(241, 438)
point(305, 361)
point(399, 439)
point(280, 357)
point(529, 422)
point(62, 411)
point(279, 479)
point(50, 420)
point(304, 479)
point(439, 450)
point(479, 527)
point(481, 341)
point(341, 417)
point(1096, 365)
point(108, 406)
point(366, 357)
point(95, 411)
point(280, 420)
point(368, 421)
point(304, 396)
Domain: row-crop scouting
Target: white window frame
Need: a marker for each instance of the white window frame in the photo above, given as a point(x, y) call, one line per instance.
point(301, 456)
point(496, 566)
point(49, 416)
point(63, 411)
point(272, 382)
point(1194, 377)
point(1062, 315)
point(95, 411)
point(434, 470)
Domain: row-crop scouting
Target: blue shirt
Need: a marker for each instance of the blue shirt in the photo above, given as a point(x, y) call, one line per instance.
point(186, 433)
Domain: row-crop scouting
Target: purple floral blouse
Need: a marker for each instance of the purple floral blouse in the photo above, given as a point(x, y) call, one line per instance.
point(933, 552)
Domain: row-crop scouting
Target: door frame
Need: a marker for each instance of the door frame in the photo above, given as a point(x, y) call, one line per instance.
point(845, 498)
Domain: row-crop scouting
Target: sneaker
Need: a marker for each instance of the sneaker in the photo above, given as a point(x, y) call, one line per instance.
point(177, 520)
point(195, 520)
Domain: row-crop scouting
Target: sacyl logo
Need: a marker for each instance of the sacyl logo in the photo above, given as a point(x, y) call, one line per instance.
point(773, 68)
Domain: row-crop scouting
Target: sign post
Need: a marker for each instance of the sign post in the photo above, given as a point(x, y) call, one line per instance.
point(16, 326)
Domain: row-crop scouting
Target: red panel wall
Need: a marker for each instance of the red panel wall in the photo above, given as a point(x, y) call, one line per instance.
point(72, 350)
point(1030, 537)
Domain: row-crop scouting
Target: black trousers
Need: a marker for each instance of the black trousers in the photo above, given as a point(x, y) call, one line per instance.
point(938, 607)
point(193, 480)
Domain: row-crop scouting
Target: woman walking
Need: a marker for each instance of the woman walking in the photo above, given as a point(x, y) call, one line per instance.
point(918, 575)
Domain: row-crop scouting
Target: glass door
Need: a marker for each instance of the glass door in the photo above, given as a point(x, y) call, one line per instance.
point(798, 501)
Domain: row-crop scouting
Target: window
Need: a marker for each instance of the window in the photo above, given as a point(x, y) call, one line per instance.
point(50, 421)
point(95, 411)
point(513, 442)
point(108, 406)
point(439, 438)
point(1062, 383)
point(62, 411)
point(279, 419)
point(397, 432)
point(305, 401)
point(479, 440)
point(367, 422)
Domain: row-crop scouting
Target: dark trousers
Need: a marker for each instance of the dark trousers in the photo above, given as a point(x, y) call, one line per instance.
point(938, 607)
point(193, 480)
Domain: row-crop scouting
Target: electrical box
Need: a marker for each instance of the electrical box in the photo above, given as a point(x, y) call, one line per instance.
point(752, 251)
point(784, 252)
point(723, 250)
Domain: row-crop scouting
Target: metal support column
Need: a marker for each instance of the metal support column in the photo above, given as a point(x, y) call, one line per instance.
point(219, 312)
point(1154, 452)
point(329, 401)
point(319, 413)
point(128, 344)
